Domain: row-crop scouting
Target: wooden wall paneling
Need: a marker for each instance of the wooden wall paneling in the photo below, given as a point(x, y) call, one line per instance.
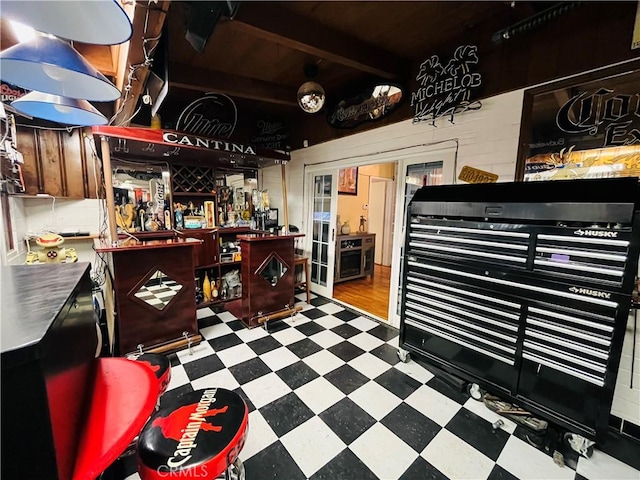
point(51, 162)
point(74, 175)
point(28, 146)
point(92, 169)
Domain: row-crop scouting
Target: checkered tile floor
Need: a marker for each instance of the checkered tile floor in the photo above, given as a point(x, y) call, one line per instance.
point(329, 399)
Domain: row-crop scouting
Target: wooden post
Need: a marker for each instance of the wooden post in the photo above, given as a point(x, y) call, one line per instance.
point(108, 185)
point(285, 206)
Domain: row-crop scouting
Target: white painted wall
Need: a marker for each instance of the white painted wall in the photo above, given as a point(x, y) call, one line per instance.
point(487, 138)
point(626, 400)
point(36, 215)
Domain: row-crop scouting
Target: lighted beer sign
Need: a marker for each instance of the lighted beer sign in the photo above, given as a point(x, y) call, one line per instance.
point(587, 127)
point(445, 90)
point(372, 104)
point(214, 115)
point(614, 115)
point(270, 133)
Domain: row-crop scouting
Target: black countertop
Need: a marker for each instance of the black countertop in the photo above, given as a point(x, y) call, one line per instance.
point(31, 298)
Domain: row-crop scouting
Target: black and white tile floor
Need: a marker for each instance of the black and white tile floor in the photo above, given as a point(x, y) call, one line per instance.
point(329, 399)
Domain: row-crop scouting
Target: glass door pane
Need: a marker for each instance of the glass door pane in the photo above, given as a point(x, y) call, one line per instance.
point(417, 175)
point(323, 230)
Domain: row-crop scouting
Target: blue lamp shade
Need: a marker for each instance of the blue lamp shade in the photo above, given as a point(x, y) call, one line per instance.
point(50, 65)
point(101, 22)
point(55, 108)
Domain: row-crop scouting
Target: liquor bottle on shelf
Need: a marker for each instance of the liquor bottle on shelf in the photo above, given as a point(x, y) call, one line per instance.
point(199, 294)
point(214, 289)
point(206, 288)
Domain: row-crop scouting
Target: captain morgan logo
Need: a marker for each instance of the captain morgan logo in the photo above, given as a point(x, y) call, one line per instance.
point(154, 368)
point(184, 424)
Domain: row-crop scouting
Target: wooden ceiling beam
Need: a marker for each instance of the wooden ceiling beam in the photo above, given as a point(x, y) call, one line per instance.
point(277, 24)
point(152, 16)
point(205, 80)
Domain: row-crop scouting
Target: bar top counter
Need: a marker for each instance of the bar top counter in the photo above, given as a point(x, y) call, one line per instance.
point(32, 296)
point(133, 244)
point(262, 237)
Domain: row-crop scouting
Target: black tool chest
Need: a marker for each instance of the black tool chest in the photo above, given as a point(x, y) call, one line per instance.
point(525, 288)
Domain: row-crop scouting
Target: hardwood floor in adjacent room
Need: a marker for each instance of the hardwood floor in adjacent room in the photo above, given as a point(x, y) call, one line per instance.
point(370, 294)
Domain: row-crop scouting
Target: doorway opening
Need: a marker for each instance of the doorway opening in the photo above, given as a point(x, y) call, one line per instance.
point(356, 212)
point(365, 214)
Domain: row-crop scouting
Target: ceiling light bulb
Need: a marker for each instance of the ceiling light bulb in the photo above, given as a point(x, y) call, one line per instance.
point(62, 108)
point(23, 32)
point(311, 97)
point(54, 72)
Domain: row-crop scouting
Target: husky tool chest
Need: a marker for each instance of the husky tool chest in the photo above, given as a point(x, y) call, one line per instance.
point(525, 289)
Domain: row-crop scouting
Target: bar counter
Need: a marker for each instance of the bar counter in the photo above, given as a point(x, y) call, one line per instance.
point(155, 293)
point(133, 244)
point(268, 276)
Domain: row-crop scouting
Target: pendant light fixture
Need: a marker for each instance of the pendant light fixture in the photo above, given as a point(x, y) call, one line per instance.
point(50, 65)
point(311, 95)
point(69, 111)
point(100, 22)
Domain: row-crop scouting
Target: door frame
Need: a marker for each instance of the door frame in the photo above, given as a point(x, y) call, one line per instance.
point(386, 242)
point(445, 151)
point(446, 155)
point(309, 182)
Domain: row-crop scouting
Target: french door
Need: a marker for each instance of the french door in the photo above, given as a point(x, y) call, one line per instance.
point(423, 170)
point(322, 219)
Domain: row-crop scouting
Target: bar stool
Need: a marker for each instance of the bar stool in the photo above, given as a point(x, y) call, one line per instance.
point(302, 260)
point(199, 435)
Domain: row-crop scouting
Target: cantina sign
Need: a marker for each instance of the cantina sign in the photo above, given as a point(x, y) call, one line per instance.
point(192, 141)
point(446, 90)
point(603, 112)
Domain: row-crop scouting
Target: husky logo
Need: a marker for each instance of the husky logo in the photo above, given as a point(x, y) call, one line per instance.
point(596, 233)
point(592, 293)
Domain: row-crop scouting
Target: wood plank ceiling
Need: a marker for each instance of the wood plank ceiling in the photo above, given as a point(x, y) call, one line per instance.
point(260, 53)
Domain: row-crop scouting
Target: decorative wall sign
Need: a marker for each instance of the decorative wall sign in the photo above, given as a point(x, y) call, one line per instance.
point(270, 133)
point(582, 128)
point(348, 181)
point(474, 175)
point(372, 104)
point(10, 92)
point(136, 142)
point(446, 90)
point(214, 115)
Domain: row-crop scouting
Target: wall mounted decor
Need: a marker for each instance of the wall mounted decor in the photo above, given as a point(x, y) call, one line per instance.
point(584, 127)
point(214, 115)
point(372, 104)
point(444, 90)
point(348, 181)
